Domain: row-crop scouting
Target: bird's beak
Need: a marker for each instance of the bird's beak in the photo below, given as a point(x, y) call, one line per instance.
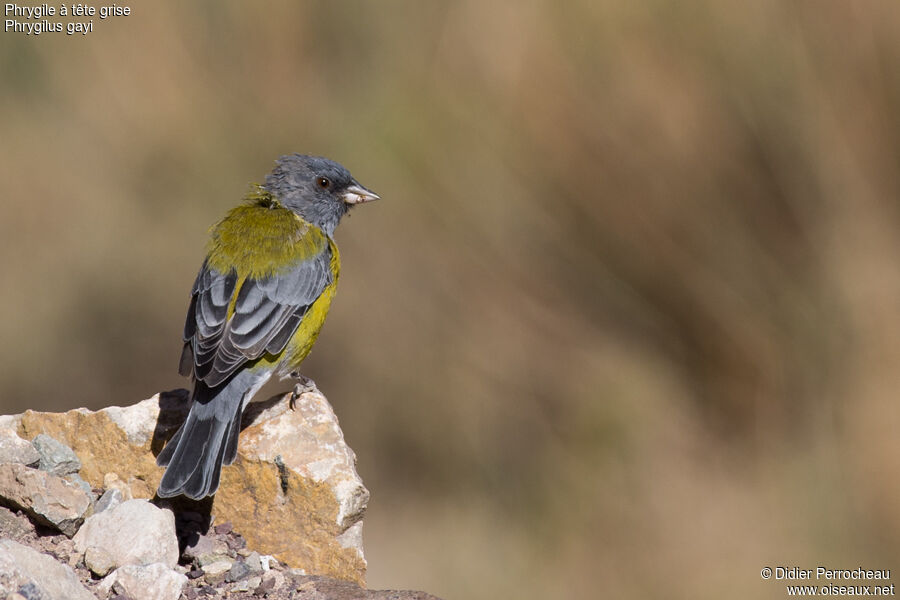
point(357, 194)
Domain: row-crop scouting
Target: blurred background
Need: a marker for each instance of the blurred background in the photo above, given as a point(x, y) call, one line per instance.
point(625, 323)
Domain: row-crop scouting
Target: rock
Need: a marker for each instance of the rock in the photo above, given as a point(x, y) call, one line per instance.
point(62, 548)
point(111, 481)
point(48, 499)
point(13, 525)
point(133, 533)
point(239, 570)
point(147, 582)
point(56, 457)
point(213, 557)
point(271, 581)
point(84, 485)
point(223, 528)
point(110, 499)
point(246, 585)
point(203, 547)
point(99, 561)
point(39, 574)
point(236, 542)
point(14, 449)
point(292, 493)
point(217, 571)
point(254, 563)
point(297, 464)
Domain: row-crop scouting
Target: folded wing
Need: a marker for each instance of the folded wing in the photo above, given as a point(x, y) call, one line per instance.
point(233, 320)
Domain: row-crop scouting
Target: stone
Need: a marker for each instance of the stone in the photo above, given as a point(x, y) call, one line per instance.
point(292, 493)
point(14, 526)
point(110, 499)
point(111, 481)
point(246, 585)
point(84, 485)
point(202, 547)
point(254, 563)
point(63, 549)
point(99, 561)
point(48, 499)
point(272, 581)
point(297, 464)
point(147, 582)
point(14, 449)
point(236, 542)
point(39, 574)
point(213, 557)
point(133, 533)
point(223, 528)
point(217, 572)
point(239, 571)
point(56, 457)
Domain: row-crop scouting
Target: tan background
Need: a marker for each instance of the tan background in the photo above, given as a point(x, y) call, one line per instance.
point(625, 324)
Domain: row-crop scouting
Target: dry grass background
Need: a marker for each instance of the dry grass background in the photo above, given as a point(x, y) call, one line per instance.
point(625, 324)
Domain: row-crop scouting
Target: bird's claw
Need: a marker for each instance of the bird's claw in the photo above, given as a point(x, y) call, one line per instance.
point(304, 384)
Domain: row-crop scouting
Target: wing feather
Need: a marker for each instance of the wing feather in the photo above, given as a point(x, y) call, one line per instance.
point(231, 323)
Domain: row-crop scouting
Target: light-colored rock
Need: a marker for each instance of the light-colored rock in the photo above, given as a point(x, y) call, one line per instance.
point(84, 485)
point(273, 579)
point(247, 584)
point(111, 482)
point(212, 557)
point(99, 561)
point(110, 499)
point(315, 488)
point(21, 566)
point(48, 499)
point(56, 457)
point(352, 537)
point(14, 449)
point(293, 492)
point(217, 572)
point(206, 549)
point(133, 533)
point(217, 568)
point(145, 582)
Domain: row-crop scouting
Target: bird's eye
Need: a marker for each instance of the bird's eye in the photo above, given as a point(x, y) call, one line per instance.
point(323, 182)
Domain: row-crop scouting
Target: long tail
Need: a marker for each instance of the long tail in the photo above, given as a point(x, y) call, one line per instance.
point(207, 439)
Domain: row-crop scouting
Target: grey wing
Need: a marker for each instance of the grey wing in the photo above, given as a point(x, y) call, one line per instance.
point(267, 312)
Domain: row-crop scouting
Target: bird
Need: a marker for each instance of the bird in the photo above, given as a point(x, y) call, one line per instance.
point(256, 309)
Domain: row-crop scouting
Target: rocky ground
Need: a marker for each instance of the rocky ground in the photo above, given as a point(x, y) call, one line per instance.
point(61, 539)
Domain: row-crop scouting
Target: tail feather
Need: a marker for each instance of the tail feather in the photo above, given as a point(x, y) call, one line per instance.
point(208, 437)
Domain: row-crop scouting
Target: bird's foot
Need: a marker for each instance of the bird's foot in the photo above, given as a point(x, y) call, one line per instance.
point(304, 384)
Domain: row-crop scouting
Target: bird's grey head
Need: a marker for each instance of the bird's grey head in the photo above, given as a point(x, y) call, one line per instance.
point(319, 190)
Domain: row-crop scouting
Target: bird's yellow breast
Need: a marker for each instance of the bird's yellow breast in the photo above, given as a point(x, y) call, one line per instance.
point(302, 341)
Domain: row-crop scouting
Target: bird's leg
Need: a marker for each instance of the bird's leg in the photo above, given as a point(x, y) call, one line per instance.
point(304, 384)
